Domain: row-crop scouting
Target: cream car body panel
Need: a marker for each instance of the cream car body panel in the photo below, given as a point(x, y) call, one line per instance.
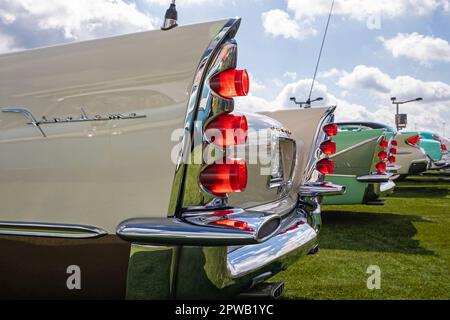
point(412, 159)
point(83, 172)
point(304, 124)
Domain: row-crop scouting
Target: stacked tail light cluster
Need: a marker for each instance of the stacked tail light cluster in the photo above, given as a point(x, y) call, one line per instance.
point(328, 147)
point(227, 130)
point(386, 155)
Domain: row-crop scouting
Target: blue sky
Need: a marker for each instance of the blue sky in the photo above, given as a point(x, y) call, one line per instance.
point(374, 49)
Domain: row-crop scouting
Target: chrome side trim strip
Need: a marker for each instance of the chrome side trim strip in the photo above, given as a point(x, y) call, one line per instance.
point(376, 178)
point(321, 189)
point(50, 230)
point(28, 115)
point(356, 146)
point(310, 174)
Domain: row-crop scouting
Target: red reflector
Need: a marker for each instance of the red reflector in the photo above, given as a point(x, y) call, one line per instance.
point(392, 159)
point(325, 166)
point(231, 83)
point(443, 148)
point(228, 130)
point(331, 129)
point(414, 140)
point(384, 144)
point(383, 155)
point(328, 147)
point(381, 166)
point(394, 143)
point(234, 224)
point(393, 151)
point(220, 179)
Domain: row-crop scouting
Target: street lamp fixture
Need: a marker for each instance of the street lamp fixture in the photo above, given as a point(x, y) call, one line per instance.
point(306, 103)
point(401, 119)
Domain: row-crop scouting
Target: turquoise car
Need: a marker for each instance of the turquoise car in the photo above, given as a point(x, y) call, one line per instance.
point(435, 148)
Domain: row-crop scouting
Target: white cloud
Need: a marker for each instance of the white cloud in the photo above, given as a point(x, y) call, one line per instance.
point(418, 47)
point(362, 9)
point(305, 13)
point(404, 87)
point(366, 77)
point(291, 75)
point(256, 85)
point(331, 73)
point(81, 19)
point(7, 44)
point(166, 3)
point(426, 116)
point(278, 23)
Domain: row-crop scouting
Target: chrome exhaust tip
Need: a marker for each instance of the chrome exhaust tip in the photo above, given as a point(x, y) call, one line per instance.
point(266, 290)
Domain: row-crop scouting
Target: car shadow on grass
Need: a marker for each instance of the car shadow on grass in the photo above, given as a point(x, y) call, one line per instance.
point(415, 192)
point(365, 231)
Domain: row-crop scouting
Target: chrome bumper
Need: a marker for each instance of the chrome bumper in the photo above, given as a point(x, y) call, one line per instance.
point(206, 270)
point(377, 178)
point(387, 187)
point(394, 168)
point(321, 189)
point(198, 229)
point(294, 240)
point(442, 164)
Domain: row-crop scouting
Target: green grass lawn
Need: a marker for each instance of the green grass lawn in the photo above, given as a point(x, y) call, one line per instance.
point(408, 238)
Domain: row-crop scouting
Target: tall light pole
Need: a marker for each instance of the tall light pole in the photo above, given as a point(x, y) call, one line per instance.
point(401, 119)
point(306, 103)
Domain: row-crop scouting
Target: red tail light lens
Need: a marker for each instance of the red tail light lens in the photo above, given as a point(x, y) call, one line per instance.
point(228, 130)
point(331, 129)
point(414, 140)
point(233, 224)
point(325, 166)
point(394, 143)
point(381, 166)
point(393, 151)
point(384, 144)
point(392, 159)
point(444, 148)
point(383, 155)
point(231, 83)
point(328, 147)
point(220, 179)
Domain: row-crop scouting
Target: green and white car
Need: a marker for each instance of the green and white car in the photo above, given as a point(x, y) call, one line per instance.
point(364, 162)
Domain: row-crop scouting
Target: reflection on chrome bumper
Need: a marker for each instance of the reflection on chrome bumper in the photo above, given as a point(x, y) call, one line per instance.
point(442, 163)
point(298, 240)
point(321, 189)
point(387, 187)
point(377, 178)
point(393, 167)
point(198, 229)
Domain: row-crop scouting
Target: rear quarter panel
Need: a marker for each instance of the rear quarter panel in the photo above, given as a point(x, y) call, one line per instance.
point(96, 173)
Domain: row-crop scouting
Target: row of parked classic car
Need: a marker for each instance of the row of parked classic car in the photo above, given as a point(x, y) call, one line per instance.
point(364, 147)
point(126, 171)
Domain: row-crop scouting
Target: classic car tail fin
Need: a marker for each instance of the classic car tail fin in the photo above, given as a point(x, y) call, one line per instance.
point(206, 173)
point(314, 130)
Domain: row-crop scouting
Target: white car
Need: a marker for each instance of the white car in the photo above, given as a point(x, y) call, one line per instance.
point(411, 158)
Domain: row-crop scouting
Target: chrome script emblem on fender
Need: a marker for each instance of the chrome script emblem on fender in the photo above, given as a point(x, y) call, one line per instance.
point(82, 118)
